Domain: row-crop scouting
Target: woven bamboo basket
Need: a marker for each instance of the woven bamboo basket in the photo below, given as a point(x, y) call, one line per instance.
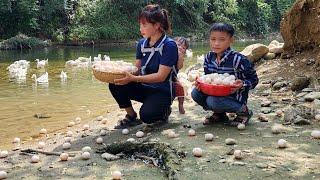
point(107, 77)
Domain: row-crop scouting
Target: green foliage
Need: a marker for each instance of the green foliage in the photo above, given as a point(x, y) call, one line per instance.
point(86, 20)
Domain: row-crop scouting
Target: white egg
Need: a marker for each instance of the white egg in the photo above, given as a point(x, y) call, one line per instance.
point(140, 134)
point(230, 141)
point(64, 156)
point(238, 154)
point(71, 123)
point(208, 137)
point(99, 140)
point(69, 134)
point(3, 154)
point(131, 140)
point(317, 117)
point(43, 131)
point(125, 131)
point(116, 175)
point(276, 129)
point(78, 120)
point(171, 134)
point(3, 175)
point(66, 145)
point(86, 127)
point(99, 118)
point(35, 159)
point(282, 143)
point(16, 140)
point(191, 132)
point(315, 134)
point(86, 149)
point(279, 112)
point(104, 121)
point(103, 132)
point(85, 155)
point(241, 126)
point(67, 139)
point(197, 152)
point(41, 145)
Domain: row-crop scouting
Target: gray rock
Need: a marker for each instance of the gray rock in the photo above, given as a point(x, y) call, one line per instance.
point(279, 85)
point(262, 165)
point(312, 96)
point(301, 94)
point(266, 103)
point(300, 83)
point(290, 115)
point(266, 110)
point(308, 90)
point(301, 121)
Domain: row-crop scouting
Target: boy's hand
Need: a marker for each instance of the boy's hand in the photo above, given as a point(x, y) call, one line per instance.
point(196, 84)
point(238, 84)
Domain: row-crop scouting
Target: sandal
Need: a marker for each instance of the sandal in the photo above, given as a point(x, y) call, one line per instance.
point(242, 118)
point(128, 121)
point(216, 117)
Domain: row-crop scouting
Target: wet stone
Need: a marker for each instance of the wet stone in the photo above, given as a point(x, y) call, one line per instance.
point(266, 110)
point(262, 165)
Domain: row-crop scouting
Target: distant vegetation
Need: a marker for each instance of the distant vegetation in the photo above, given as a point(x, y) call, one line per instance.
point(22, 41)
point(87, 20)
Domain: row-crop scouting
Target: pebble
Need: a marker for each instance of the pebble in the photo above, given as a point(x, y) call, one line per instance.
point(103, 132)
point(262, 165)
point(140, 134)
point(66, 145)
point(71, 123)
point(43, 131)
point(241, 126)
point(99, 140)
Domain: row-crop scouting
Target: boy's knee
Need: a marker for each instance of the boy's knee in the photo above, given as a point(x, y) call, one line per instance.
point(196, 95)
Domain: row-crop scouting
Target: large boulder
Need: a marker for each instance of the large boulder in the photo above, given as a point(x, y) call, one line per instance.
point(255, 52)
point(300, 27)
point(275, 47)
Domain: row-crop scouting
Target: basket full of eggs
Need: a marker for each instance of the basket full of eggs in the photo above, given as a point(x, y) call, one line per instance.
point(216, 84)
point(108, 71)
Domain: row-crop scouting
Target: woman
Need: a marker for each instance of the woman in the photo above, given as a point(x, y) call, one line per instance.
point(157, 56)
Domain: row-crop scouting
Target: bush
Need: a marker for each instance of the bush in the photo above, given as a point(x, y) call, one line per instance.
point(22, 41)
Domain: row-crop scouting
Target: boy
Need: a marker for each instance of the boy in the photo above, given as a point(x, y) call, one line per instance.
point(222, 59)
point(183, 45)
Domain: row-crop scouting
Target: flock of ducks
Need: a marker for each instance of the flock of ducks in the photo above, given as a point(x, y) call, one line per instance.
point(18, 70)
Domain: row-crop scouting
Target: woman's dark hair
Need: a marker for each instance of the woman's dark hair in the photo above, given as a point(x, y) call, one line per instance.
point(222, 27)
point(182, 40)
point(154, 14)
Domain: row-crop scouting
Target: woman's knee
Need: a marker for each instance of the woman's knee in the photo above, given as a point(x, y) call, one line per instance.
point(196, 95)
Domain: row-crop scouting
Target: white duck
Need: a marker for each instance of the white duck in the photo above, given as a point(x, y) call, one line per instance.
point(42, 63)
point(63, 76)
point(189, 53)
point(106, 58)
point(97, 58)
point(42, 79)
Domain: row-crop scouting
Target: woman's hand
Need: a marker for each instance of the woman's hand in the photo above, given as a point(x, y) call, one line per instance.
point(238, 84)
point(127, 79)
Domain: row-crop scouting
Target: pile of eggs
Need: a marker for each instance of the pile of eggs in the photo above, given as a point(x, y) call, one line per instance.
point(114, 66)
point(218, 79)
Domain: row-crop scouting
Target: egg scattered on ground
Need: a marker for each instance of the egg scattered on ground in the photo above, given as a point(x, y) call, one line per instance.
point(4, 154)
point(241, 126)
point(116, 175)
point(3, 175)
point(104, 121)
point(35, 159)
point(317, 117)
point(140, 134)
point(191, 132)
point(103, 132)
point(315, 134)
point(69, 134)
point(208, 137)
point(41, 145)
point(71, 123)
point(125, 131)
point(279, 112)
point(66, 145)
point(86, 127)
point(99, 140)
point(43, 131)
point(86, 149)
point(131, 140)
point(230, 141)
point(64, 156)
point(99, 118)
point(238, 154)
point(282, 143)
point(197, 152)
point(67, 139)
point(85, 155)
point(16, 140)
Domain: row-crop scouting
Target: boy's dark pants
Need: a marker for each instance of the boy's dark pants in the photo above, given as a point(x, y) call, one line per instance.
point(156, 103)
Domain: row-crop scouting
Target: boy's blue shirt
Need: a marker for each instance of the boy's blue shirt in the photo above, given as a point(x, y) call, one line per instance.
point(236, 64)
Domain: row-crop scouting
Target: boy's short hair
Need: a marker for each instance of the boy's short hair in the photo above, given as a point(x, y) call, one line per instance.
point(182, 40)
point(222, 27)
